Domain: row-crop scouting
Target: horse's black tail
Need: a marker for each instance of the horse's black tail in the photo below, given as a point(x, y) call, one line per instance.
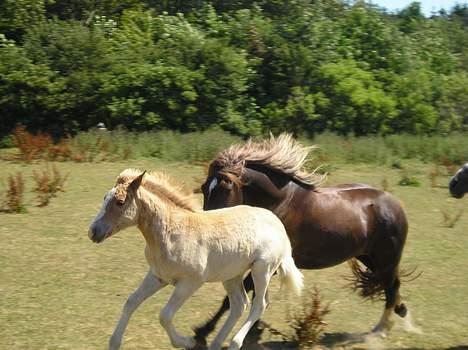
point(368, 284)
point(365, 282)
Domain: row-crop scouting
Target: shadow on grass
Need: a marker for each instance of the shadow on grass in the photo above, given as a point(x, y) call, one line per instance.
point(338, 340)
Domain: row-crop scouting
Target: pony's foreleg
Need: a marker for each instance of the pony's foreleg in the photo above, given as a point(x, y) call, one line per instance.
point(183, 290)
point(238, 301)
point(261, 275)
point(202, 332)
point(150, 285)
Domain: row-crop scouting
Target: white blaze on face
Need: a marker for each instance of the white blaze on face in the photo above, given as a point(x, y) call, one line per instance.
point(212, 185)
point(107, 199)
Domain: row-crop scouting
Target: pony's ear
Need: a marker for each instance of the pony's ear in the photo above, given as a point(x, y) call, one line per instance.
point(136, 182)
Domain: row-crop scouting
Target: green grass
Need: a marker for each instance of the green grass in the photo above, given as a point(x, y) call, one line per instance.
point(60, 291)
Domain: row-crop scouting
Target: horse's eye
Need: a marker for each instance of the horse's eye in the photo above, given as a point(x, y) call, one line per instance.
point(120, 202)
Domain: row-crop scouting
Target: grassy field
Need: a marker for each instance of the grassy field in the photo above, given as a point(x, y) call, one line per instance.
point(60, 291)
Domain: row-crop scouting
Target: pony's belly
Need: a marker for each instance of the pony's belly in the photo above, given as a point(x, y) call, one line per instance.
point(226, 269)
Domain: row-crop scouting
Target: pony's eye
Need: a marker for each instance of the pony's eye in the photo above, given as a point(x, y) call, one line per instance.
point(120, 202)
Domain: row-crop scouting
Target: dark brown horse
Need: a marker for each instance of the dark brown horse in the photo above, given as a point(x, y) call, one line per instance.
point(458, 185)
point(326, 225)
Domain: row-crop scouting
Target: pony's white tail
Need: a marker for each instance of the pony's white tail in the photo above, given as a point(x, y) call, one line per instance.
point(290, 276)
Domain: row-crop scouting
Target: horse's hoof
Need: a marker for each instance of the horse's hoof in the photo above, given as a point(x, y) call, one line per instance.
point(201, 340)
point(401, 310)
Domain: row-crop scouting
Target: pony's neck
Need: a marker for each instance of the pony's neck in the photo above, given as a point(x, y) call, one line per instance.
point(153, 217)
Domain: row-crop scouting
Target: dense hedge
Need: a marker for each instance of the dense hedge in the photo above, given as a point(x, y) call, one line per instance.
point(299, 66)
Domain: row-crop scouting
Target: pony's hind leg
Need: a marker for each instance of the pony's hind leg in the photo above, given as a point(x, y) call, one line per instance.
point(238, 302)
point(150, 285)
point(261, 275)
point(203, 331)
point(183, 290)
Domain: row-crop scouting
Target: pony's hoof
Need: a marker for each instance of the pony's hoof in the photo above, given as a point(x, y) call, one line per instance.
point(185, 343)
point(401, 310)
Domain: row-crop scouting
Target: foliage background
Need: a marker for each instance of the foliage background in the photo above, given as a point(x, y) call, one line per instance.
point(304, 66)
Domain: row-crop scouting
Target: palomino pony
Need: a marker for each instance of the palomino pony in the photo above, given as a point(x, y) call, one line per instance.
point(458, 185)
point(186, 248)
point(326, 225)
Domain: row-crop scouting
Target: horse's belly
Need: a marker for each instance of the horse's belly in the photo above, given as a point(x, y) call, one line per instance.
point(327, 251)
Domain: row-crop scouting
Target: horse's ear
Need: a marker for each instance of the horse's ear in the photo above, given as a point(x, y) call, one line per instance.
point(136, 182)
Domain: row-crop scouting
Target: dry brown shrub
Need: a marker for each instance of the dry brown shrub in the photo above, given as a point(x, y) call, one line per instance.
point(49, 181)
point(61, 151)
point(433, 175)
point(307, 323)
point(450, 220)
point(40, 146)
point(386, 185)
point(31, 146)
point(13, 197)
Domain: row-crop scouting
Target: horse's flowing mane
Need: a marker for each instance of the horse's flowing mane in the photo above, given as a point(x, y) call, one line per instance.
point(161, 184)
point(282, 154)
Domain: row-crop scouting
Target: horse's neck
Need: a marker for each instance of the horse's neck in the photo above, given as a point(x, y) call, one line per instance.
point(283, 205)
point(277, 203)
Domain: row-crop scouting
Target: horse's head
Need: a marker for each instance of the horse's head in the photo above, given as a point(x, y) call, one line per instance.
point(221, 189)
point(254, 186)
point(458, 185)
point(118, 211)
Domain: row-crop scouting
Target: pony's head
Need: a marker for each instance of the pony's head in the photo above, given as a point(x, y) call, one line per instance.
point(458, 185)
point(119, 209)
point(255, 171)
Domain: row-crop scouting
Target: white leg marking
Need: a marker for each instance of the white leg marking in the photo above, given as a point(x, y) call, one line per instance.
point(150, 285)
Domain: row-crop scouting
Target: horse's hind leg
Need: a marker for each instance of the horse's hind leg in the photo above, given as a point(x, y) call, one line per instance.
point(183, 290)
point(261, 275)
point(202, 332)
point(238, 302)
point(150, 285)
point(391, 283)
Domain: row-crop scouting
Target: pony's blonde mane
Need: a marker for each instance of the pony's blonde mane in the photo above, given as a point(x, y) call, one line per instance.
point(162, 185)
point(282, 154)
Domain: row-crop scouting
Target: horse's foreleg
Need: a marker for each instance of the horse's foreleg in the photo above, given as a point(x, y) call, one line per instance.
point(238, 301)
point(202, 332)
point(150, 285)
point(261, 275)
point(183, 290)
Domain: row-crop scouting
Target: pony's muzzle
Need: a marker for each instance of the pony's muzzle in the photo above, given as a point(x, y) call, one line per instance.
point(98, 231)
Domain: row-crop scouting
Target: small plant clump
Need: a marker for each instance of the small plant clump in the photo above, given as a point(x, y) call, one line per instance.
point(13, 198)
point(307, 323)
point(408, 180)
point(49, 181)
point(450, 220)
